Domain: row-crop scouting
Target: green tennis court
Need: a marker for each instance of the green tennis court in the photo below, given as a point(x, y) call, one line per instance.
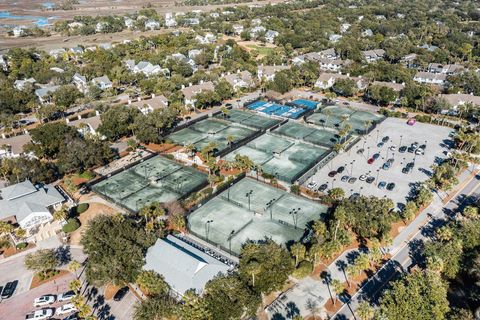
point(156, 179)
point(319, 136)
point(248, 119)
point(252, 210)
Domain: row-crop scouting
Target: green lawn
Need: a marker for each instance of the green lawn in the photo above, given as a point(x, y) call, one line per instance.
point(261, 50)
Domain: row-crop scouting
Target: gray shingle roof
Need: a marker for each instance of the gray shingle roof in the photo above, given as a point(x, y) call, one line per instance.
point(183, 266)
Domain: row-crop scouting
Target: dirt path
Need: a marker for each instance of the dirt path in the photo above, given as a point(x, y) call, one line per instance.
point(95, 209)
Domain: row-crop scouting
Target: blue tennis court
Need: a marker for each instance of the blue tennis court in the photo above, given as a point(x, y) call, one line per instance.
point(281, 110)
point(294, 113)
point(256, 105)
point(307, 104)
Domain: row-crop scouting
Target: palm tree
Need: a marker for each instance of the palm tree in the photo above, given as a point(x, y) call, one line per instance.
point(367, 125)
point(73, 266)
point(190, 149)
point(224, 111)
point(298, 251)
point(365, 311)
point(75, 285)
point(230, 140)
point(253, 268)
point(338, 288)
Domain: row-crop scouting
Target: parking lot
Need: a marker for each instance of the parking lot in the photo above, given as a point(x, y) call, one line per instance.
point(356, 161)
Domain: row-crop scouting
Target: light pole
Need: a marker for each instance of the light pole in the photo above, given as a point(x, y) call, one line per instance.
point(377, 136)
point(230, 241)
point(228, 191)
point(333, 183)
point(368, 153)
point(294, 214)
point(351, 167)
point(207, 228)
point(401, 137)
point(269, 206)
point(378, 173)
point(248, 194)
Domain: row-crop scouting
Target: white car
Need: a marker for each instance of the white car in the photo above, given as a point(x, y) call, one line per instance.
point(362, 177)
point(44, 300)
point(66, 296)
point(66, 309)
point(419, 152)
point(393, 148)
point(42, 314)
point(311, 185)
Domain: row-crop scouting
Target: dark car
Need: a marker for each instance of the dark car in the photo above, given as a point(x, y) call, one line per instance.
point(340, 169)
point(380, 144)
point(382, 185)
point(411, 149)
point(9, 289)
point(360, 151)
point(323, 187)
point(345, 178)
point(386, 166)
point(375, 156)
point(370, 179)
point(391, 161)
point(390, 186)
point(332, 173)
point(423, 146)
point(402, 149)
point(120, 294)
point(407, 170)
point(352, 180)
point(410, 165)
point(385, 139)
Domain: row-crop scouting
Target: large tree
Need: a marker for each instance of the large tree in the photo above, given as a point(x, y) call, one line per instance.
point(118, 122)
point(42, 261)
point(116, 248)
point(419, 295)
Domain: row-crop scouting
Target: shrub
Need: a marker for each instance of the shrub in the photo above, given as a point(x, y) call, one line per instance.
point(169, 156)
point(81, 208)
point(304, 269)
point(71, 225)
point(21, 245)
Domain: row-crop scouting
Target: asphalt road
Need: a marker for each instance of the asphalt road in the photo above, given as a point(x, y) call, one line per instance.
point(405, 257)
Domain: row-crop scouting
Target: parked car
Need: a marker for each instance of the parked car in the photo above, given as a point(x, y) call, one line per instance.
point(370, 161)
point(393, 148)
point(66, 309)
point(402, 149)
point(380, 144)
point(311, 185)
point(323, 187)
point(345, 178)
point(370, 179)
point(375, 156)
point(385, 139)
point(411, 121)
point(354, 196)
point(44, 300)
point(407, 170)
point(332, 173)
point(415, 145)
point(9, 289)
point(419, 152)
point(340, 169)
point(42, 314)
point(352, 180)
point(72, 317)
point(362, 177)
point(120, 294)
point(411, 149)
point(390, 186)
point(360, 151)
point(386, 166)
point(382, 185)
point(423, 146)
point(66, 296)
point(391, 161)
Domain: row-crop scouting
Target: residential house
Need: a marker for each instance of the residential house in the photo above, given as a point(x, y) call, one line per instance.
point(170, 20)
point(86, 126)
point(449, 69)
point(105, 46)
point(149, 105)
point(3, 63)
point(240, 80)
point(12, 147)
point(57, 53)
point(214, 15)
point(192, 54)
point(208, 38)
point(334, 37)
point(367, 33)
point(76, 50)
point(152, 25)
point(373, 55)
point(397, 87)
point(75, 25)
point(80, 82)
point(129, 22)
point(439, 79)
point(192, 21)
point(100, 26)
point(329, 54)
point(19, 31)
point(29, 205)
point(57, 69)
point(183, 266)
point(409, 61)
point(147, 68)
point(102, 82)
point(257, 31)
point(256, 22)
point(191, 91)
point(327, 80)
point(182, 57)
point(428, 47)
point(457, 100)
point(268, 72)
point(333, 64)
point(20, 84)
point(44, 94)
point(270, 36)
point(344, 27)
point(237, 29)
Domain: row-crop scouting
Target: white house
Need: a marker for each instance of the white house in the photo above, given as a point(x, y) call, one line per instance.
point(86, 126)
point(268, 72)
point(333, 64)
point(56, 53)
point(270, 35)
point(327, 80)
point(19, 31)
point(149, 105)
point(373, 55)
point(367, 33)
point(449, 69)
point(44, 94)
point(12, 147)
point(100, 26)
point(344, 27)
point(20, 84)
point(237, 29)
point(182, 57)
point(191, 91)
point(152, 25)
point(256, 31)
point(3, 63)
point(147, 68)
point(194, 53)
point(439, 79)
point(102, 82)
point(80, 82)
point(29, 206)
point(129, 22)
point(208, 38)
point(334, 37)
point(240, 80)
point(75, 25)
